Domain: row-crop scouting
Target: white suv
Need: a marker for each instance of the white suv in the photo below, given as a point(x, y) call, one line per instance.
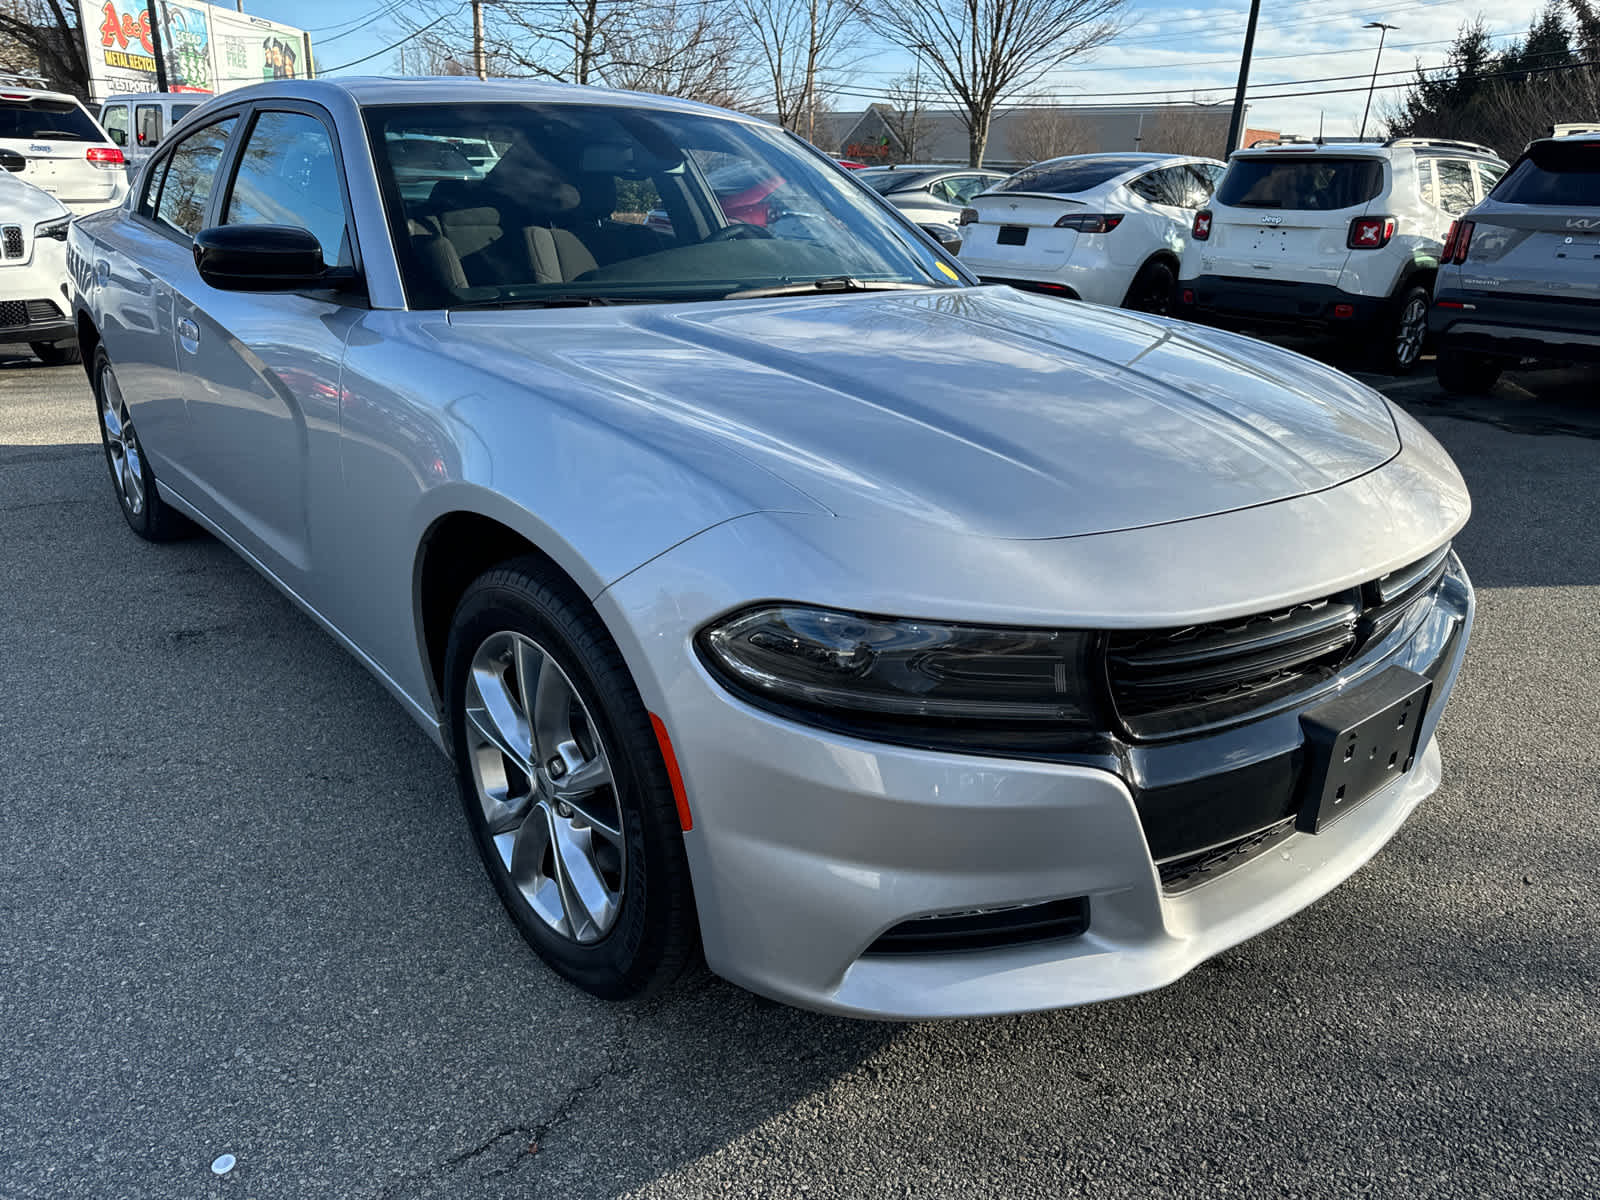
point(50, 140)
point(1336, 235)
point(33, 271)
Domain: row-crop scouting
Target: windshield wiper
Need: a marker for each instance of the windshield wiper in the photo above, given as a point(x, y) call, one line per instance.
point(822, 287)
point(559, 300)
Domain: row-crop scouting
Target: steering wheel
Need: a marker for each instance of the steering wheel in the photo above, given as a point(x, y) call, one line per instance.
point(736, 231)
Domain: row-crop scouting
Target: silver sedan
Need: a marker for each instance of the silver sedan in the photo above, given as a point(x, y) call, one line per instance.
point(909, 647)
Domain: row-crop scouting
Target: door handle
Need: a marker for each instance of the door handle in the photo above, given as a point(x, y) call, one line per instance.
point(189, 333)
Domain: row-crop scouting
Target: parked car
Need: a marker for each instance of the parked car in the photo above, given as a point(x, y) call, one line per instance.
point(138, 121)
point(1520, 273)
point(64, 151)
point(914, 647)
point(1340, 236)
point(1106, 228)
point(931, 196)
point(34, 305)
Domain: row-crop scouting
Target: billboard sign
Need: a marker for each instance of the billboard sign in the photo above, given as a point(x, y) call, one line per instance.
point(204, 48)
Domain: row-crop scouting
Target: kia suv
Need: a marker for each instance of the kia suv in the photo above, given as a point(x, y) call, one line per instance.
point(50, 139)
point(1521, 271)
point(1338, 236)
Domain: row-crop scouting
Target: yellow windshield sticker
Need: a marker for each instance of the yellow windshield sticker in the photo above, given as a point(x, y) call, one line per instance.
point(947, 270)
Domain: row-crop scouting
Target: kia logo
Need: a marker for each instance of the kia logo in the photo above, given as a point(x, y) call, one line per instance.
point(1584, 223)
point(1271, 219)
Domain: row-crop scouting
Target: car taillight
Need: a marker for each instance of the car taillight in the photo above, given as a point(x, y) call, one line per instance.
point(1202, 225)
point(968, 216)
point(1090, 222)
point(1456, 242)
point(1370, 233)
point(105, 156)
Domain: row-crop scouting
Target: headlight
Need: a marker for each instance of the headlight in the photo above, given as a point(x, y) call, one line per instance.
point(982, 681)
point(55, 227)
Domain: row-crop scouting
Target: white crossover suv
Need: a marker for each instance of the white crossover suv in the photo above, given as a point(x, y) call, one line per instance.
point(1342, 236)
point(50, 139)
point(33, 271)
point(1107, 228)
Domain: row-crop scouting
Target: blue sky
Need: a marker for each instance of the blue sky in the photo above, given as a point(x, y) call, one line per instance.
point(1171, 50)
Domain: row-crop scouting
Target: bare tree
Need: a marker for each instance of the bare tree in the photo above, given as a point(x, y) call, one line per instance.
point(36, 36)
point(986, 52)
point(687, 48)
point(1198, 131)
point(906, 113)
point(1041, 133)
point(796, 46)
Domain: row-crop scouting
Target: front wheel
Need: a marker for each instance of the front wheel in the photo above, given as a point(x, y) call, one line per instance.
point(1465, 373)
point(56, 354)
point(564, 785)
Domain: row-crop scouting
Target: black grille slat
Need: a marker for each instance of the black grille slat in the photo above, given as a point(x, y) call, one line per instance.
point(986, 930)
point(13, 241)
point(42, 310)
point(1168, 682)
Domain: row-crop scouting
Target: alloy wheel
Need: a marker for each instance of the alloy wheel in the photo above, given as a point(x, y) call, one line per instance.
point(1413, 329)
point(545, 787)
point(127, 465)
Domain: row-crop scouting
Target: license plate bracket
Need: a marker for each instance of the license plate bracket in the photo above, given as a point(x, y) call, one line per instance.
point(1358, 742)
point(1012, 235)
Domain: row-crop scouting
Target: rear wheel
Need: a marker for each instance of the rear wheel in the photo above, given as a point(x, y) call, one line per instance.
point(564, 786)
point(1151, 289)
point(1401, 338)
point(1465, 373)
point(56, 354)
point(146, 512)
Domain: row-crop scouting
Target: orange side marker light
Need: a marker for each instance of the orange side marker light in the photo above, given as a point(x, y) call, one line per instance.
point(675, 776)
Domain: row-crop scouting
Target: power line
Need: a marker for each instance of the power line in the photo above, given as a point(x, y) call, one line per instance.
point(356, 62)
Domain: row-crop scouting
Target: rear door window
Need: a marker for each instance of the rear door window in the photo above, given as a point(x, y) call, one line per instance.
point(1425, 185)
point(1454, 185)
point(147, 123)
point(1554, 173)
point(1321, 184)
point(115, 121)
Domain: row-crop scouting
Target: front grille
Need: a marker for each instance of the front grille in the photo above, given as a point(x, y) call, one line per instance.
point(13, 241)
point(1171, 682)
point(13, 313)
point(986, 928)
point(1191, 870)
point(43, 310)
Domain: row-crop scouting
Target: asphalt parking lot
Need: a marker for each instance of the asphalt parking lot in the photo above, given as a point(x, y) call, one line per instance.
point(239, 914)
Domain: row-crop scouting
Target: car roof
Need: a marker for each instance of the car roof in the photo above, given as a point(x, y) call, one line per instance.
point(1366, 148)
point(379, 90)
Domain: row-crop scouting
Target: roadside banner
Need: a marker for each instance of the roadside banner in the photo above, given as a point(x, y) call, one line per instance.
point(205, 48)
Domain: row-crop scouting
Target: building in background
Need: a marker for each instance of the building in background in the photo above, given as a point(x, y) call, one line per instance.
point(204, 48)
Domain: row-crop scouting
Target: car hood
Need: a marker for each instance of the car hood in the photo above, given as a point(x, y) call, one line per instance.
point(981, 410)
point(21, 201)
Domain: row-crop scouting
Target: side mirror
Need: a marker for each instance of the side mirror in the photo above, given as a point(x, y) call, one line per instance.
point(259, 258)
point(945, 236)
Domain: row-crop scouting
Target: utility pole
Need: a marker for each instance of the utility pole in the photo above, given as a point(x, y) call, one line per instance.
point(1236, 124)
point(155, 45)
point(477, 40)
point(1383, 31)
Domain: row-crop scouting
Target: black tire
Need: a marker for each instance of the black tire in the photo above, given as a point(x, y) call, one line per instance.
point(56, 354)
point(1466, 373)
point(1401, 336)
point(152, 518)
point(655, 933)
point(1152, 289)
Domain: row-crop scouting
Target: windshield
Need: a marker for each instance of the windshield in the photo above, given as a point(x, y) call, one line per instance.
point(1306, 184)
point(58, 119)
point(622, 204)
point(1065, 176)
point(894, 181)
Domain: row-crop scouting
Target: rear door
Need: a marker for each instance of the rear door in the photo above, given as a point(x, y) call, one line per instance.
point(261, 369)
point(1286, 214)
point(1540, 233)
point(64, 149)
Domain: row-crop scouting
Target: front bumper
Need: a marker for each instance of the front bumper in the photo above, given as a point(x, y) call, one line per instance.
point(1226, 299)
point(33, 294)
point(1517, 326)
point(808, 846)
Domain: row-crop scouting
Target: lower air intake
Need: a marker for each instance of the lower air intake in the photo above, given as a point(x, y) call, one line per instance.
point(986, 928)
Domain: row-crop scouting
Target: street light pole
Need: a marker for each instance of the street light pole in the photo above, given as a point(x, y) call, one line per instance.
point(1236, 124)
point(1383, 31)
